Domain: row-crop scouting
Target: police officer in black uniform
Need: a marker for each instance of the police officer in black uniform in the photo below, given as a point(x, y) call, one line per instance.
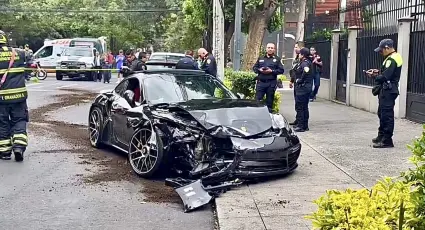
point(386, 88)
point(187, 62)
point(303, 84)
point(208, 63)
point(267, 68)
point(13, 102)
point(295, 65)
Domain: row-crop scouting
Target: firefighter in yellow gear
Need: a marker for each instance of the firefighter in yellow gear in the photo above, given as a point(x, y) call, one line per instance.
point(13, 102)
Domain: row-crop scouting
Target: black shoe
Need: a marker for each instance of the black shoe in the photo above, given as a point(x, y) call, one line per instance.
point(19, 155)
point(381, 145)
point(300, 130)
point(293, 123)
point(5, 156)
point(377, 139)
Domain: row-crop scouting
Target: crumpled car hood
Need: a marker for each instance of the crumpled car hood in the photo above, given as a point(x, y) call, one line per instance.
point(245, 116)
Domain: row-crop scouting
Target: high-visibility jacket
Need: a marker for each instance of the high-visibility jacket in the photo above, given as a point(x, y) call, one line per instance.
point(13, 89)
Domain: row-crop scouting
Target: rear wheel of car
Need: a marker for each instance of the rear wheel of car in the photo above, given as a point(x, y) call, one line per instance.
point(146, 153)
point(95, 127)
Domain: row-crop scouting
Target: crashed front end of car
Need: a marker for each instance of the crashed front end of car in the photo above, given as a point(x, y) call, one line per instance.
point(210, 158)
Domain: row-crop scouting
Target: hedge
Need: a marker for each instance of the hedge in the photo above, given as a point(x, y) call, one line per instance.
point(243, 82)
point(393, 203)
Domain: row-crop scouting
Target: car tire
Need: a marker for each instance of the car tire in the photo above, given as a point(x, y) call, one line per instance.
point(95, 127)
point(147, 156)
point(59, 76)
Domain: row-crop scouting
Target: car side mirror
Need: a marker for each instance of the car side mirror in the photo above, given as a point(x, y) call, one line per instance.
point(240, 96)
point(129, 97)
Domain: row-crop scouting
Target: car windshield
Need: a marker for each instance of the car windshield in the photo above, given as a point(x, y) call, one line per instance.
point(78, 52)
point(174, 88)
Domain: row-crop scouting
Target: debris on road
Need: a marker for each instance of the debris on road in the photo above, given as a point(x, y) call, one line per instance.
point(111, 167)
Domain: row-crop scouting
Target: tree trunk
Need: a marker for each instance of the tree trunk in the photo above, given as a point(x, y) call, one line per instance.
point(229, 30)
point(257, 26)
point(299, 36)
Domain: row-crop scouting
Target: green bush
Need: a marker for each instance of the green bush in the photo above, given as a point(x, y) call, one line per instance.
point(391, 204)
point(244, 82)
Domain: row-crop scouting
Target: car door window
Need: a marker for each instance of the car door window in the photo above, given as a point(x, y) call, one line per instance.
point(121, 88)
point(45, 52)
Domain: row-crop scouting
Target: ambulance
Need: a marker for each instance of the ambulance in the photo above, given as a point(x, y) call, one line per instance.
point(50, 53)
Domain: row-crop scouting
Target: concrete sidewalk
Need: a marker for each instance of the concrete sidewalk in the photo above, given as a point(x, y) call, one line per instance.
point(337, 153)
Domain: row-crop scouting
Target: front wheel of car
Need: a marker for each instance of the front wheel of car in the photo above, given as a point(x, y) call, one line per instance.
point(95, 127)
point(146, 153)
point(59, 76)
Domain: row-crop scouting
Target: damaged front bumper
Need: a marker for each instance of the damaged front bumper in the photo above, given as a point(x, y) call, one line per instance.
point(266, 157)
point(255, 158)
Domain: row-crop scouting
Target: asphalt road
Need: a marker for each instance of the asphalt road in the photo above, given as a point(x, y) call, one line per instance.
point(63, 183)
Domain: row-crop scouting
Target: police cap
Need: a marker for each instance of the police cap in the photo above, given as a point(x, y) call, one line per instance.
point(385, 43)
point(3, 38)
point(305, 52)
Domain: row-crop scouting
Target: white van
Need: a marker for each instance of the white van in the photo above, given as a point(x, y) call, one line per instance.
point(49, 54)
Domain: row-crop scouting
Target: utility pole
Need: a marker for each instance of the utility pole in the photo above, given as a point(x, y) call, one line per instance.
point(218, 36)
point(237, 36)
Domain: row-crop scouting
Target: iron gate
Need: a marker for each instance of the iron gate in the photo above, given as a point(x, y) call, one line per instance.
point(341, 78)
point(415, 109)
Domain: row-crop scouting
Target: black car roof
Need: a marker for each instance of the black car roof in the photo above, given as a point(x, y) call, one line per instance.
point(147, 73)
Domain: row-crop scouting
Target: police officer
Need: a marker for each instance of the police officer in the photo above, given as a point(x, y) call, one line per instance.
point(303, 84)
point(187, 62)
point(140, 63)
point(208, 63)
point(267, 68)
point(386, 89)
point(295, 65)
point(13, 102)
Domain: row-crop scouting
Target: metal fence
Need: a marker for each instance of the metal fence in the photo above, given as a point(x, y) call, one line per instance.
point(323, 48)
point(416, 83)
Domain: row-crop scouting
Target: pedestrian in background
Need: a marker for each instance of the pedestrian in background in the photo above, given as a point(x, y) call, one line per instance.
point(267, 69)
point(303, 85)
point(386, 88)
point(119, 59)
point(317, 70)
point(187, 62)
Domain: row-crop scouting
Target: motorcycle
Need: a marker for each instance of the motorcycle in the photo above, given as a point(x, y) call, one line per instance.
point(38, 72)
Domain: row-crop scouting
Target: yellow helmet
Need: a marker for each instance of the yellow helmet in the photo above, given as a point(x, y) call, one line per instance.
point(3, 38)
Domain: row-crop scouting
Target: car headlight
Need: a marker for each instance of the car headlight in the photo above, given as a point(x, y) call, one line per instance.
point(89, 65)
point(279, 121)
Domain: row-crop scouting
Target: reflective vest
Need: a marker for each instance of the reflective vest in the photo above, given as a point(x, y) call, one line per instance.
point(13, 89)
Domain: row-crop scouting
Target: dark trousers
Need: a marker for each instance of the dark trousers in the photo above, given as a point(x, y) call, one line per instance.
point(267, 88)
point(316, 81)
point(301, 107)
point(107, 74)
point(13, 127)
point(386, 115)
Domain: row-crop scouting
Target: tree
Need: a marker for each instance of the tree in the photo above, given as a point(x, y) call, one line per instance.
point(127, 30)
point(258, 15)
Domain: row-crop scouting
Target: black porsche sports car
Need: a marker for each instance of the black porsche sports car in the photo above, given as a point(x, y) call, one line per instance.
point(189, 122)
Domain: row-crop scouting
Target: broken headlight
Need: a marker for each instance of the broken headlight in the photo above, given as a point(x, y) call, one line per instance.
point(279, 122)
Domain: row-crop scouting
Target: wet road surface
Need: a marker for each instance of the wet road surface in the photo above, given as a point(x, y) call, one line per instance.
point(63, 183)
